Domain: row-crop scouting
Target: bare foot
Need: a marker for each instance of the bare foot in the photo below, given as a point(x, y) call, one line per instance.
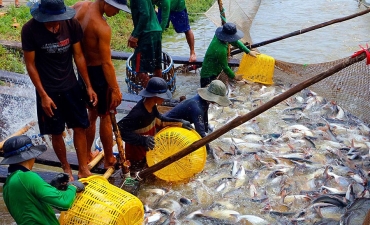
point(193, 58)
point(67, 169)
point(109, 162)
point(92, 156)
point(83, 174)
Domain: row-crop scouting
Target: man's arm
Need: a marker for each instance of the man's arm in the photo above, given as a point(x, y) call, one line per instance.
point(46, 102)
point(166, 9)
point(82, 69)
point(143, 19)
point(104, 36)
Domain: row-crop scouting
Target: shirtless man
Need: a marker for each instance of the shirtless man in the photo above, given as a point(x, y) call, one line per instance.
point(96, 48)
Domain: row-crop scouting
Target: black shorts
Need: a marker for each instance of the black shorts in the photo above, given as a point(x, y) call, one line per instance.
point(100, 86)
point(71, 110)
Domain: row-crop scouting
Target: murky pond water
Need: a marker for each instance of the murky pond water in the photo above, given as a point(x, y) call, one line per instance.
point(205, 189)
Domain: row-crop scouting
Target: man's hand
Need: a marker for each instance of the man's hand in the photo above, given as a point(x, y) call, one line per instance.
point(92, 96)
point(238, 76)
point(149, 142)
point(78, 184)
point(48, 105)
point(60, 181)
point(132, 42)
point(186, 125)
point(116, 98)
point(253, 53)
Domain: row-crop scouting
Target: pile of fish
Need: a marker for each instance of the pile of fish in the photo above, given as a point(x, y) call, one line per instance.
point(304, 161)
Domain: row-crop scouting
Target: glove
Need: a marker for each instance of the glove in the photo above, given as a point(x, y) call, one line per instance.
point(60, 181)
point(253, 53)
point(149, 142)
point(186, 125)
point(78, 184)
point(238, 77)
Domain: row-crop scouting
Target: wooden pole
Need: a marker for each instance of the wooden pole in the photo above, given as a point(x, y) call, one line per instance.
point(19, 132)
point(298, 32)
point(242, 119)
point(95, 160)
point(121, 151)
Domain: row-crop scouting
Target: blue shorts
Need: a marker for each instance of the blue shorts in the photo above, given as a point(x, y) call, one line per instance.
point(148, 54)
point(71, 110)
point(179, 20)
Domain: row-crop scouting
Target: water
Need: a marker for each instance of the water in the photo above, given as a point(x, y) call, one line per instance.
point(326, 44)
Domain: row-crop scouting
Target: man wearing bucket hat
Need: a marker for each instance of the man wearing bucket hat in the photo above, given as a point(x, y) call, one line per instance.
point(96, 48)
point(195, 109)
point(146, 39)
point(216, 60)
point(139, 126)
point(27, 196)
point(50, 40)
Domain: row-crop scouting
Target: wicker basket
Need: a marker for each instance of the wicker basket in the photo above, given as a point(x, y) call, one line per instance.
point(171, 140)
point(103, 203)
point(168, 74)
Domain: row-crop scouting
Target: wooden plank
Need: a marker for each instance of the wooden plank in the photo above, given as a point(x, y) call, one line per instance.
point(50, 159)
point(125, 55)
point(47, 176)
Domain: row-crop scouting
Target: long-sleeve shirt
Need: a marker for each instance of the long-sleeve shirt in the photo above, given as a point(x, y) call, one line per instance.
point(194, 110)
point(215, 59)
point(138, 124)
point(30, 199)
point(143, 17)
point(168, 6)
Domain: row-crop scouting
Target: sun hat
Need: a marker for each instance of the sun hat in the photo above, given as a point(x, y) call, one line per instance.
point(52, 10)
point(19, 149)
point(215, 92)
point(157, 87)
point(119, 4)
point(228, 33)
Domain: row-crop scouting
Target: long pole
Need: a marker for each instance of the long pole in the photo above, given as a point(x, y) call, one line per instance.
point(298, 32)
point(242, 119)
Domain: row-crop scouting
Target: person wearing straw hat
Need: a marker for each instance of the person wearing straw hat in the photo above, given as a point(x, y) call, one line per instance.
point(96, 48)
point(27, 196)
point(195, 109)
point(50, 42)
point(215, 59)
point(139, 126)
point(146, 39)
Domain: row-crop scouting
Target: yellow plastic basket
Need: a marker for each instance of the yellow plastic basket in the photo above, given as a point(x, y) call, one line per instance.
point(258, 69)
point(103, 203)
point(169, 141)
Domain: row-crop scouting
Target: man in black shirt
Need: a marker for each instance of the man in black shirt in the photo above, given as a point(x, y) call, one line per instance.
point(49, 40)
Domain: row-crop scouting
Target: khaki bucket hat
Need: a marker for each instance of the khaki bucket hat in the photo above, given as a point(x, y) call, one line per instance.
point(215, 92)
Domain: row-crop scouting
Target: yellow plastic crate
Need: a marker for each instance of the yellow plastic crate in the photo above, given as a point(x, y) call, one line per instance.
point(258, 69)
point(103, 203)
point(169, 141)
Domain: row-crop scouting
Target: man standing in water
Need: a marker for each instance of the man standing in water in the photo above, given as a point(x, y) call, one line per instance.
point(49, 41)
point(146, 39)
point(96, 48)
point(175, 11)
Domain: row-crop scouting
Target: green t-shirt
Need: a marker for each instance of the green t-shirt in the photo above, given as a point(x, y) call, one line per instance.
point(215, 59)
point(143, 17)
point(30, 199)
point(168, 6)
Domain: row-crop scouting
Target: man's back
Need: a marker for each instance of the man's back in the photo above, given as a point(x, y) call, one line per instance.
point(96, 31)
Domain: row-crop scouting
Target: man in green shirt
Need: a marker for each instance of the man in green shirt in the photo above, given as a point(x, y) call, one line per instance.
point(27, 196)
point(175, 11)
point(215, 59)
point(146, 39)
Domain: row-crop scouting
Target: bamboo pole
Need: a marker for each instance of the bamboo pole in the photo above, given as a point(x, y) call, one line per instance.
point(19, 132)
point(242, 119)
point(298, 32)
point(96, 160)
point(121, 150)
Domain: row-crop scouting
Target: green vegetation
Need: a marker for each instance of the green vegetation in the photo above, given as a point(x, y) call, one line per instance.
point(121, 28)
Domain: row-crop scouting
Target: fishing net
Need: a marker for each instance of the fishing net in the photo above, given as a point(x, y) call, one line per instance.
point(348, 88)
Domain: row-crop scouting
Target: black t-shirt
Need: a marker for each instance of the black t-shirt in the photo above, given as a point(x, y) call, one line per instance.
point(53, 52)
